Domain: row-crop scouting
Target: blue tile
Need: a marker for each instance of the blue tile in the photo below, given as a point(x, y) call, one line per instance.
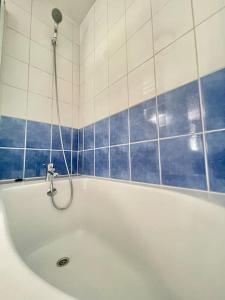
point(12, 132)
point(80, 162)
point(11, 163)
point(81, 139)
point(179, 111)
point(74, 162)
point(75, 140)
point(143, 121)
point(88, 163)
point(216, 160)
point(145, 162)
point(213, 92)
point(59, 163)
point(36, 163)
point(102, 162)
point(102, 133)
point(89, 137)
point(38, 135)
point(66, 136)
point(119, 128)
point(182, 162)
point(119, 162)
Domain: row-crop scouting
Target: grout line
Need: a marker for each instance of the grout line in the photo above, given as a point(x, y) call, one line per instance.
point(201, 103)
point(156, 99)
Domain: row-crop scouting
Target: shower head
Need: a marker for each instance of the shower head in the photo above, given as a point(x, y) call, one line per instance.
point(57, 16)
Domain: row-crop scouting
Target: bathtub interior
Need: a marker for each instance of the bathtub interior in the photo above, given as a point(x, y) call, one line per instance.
point(124, 241)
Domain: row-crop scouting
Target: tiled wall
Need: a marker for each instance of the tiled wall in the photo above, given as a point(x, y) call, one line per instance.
point(27, 87)
point(152, 86)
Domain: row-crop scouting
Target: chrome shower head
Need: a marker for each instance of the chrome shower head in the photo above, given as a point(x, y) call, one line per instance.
point(57, 15)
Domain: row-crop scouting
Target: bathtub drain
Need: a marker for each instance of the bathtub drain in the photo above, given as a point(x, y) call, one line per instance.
point(62, 262)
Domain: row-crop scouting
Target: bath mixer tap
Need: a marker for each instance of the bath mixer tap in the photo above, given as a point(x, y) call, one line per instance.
point(51, 174)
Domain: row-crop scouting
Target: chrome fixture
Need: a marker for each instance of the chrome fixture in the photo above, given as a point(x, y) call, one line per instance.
point(50, 178)
point(57, 17)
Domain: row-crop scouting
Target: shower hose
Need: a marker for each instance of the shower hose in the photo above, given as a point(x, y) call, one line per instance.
point(61, 140)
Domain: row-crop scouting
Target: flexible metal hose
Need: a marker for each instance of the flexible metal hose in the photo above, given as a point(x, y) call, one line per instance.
point(60, 135)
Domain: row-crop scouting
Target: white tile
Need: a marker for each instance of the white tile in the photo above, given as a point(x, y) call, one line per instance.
point(25, 4)
point(64, 68)
point(116, 9)
point(76, 54)
point(87, 90)
point(118, 65)
point(41, 33)
point(14, 72)
point(76, 74)
point(101, 29)
point(65, 47)
point(75, 117)
point(40, 82)
point(101, 103)
point(42, 10)
point(101, 53)
point(87, 35)
point(87, 69)
point(87, 113)
point(66, 114)
point(211, 44)
point(128, 3)
point(176, 65)
point(16, 45)
point(13, 102)
point(101, 78)
point(158, 4)
point(39, 108)
point(100, 9)
point(76, 34)
point(141, 83)
point(172, 21)
point(76, 94)
point(140, 46)
point(205, 8)
point(137, 15)
point(117, 36)
point(118, 96)
point(65, 91)
point(18, 19)
point(41, 57)
point(66, 28)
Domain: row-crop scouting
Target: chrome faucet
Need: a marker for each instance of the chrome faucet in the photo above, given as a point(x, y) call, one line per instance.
point(51, 174)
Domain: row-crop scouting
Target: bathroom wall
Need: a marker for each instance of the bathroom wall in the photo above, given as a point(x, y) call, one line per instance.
point(152, 97)
point(28, 141)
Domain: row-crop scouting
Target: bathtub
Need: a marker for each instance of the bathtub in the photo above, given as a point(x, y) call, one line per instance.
point(124, 242)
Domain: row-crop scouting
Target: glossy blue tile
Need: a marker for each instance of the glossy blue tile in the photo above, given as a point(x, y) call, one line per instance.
point(59, 163)
point(213, 92)
point(216, 160)
point(119, 128)
point(145, 162)
point(143, 121)
point(36, 163)
point(102, 162)
point(179, 111)
point(66, 136)
point(74, 162)
point(89, 137)
point(81, 139)
point(12, 132)
point(80, 162)
point(182, 162)
point(11, 163)
point(102, 133)
point(88, 163)
point(38, 135)
point(75, 139)
point(119, 162)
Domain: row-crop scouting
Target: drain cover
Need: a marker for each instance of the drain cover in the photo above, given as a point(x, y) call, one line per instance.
point(63, 262)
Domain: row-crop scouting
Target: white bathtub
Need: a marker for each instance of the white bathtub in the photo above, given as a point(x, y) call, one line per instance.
point(124, 241)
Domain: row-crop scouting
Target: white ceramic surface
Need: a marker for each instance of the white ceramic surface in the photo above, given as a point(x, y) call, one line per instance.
point(125, 241)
